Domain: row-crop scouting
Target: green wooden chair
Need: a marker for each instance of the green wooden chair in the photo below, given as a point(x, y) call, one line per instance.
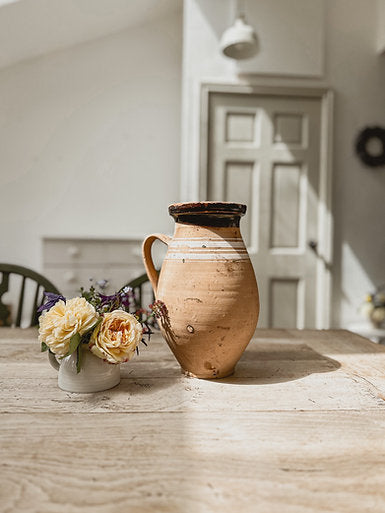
point(137, 286)
point(40, 284)
point(140, 295)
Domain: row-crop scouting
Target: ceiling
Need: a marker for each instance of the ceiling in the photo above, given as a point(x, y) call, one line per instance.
point(29, 28)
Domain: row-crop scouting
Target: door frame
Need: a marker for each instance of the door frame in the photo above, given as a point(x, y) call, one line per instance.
point(325, 224)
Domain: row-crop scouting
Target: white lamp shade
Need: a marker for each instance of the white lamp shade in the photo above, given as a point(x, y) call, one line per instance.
point(239, 41)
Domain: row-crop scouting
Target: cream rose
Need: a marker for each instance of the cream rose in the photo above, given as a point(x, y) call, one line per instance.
point(64, 319)
point(116, 337)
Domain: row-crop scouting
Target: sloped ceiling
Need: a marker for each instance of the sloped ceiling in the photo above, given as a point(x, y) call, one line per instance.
point(29, 28)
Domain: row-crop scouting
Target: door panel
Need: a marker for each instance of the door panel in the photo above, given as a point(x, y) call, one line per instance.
point(283, 292)
point(285, 206)
point(239, 183)
point(265, 151)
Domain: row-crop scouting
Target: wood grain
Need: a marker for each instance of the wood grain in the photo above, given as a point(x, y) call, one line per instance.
point(298, 428)
point(177, 462)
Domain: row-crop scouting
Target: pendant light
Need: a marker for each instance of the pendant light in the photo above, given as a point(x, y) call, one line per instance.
point(240, 40)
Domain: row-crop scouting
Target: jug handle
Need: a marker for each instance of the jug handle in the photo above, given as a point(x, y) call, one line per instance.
point(147, 257)
point(52, 360)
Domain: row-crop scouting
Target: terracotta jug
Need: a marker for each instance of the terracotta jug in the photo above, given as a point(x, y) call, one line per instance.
point(208, 285)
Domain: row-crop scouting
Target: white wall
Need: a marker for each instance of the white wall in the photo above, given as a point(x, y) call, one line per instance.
point(357, 74)
point(89, 140)
point(342, 42)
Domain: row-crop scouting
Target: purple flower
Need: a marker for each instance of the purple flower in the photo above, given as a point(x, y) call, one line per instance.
point(105, 300)
point(126, 297)
point(52, 300)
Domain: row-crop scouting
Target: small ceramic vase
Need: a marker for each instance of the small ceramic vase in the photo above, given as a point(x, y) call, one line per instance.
point(95, 374)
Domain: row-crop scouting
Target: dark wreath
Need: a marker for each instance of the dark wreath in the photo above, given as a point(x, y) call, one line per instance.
point(362, 141)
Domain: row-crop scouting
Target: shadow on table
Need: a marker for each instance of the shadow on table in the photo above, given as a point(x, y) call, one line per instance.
point(279, 363)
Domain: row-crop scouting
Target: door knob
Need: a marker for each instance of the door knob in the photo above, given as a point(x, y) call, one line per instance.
point(313, 245)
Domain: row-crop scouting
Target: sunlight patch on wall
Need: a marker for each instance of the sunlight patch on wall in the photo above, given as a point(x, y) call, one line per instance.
point(355, 283)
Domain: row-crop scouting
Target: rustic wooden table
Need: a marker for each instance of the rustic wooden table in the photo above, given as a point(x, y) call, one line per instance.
point(300, 427)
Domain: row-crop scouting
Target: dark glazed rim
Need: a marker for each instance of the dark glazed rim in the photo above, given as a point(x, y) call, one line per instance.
point(219, 208)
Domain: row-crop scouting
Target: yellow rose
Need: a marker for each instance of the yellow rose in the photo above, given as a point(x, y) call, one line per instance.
point(116, 337)
point(64, 319)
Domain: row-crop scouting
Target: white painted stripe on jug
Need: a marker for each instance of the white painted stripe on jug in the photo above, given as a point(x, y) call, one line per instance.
point(216, 239)
point(207, 256)
point(204, 243)
point(209, 250)
point(213, 239)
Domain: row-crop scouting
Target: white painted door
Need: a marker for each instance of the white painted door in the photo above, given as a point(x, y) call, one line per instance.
point(265, 151)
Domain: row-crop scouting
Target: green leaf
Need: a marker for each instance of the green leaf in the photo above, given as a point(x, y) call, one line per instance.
point(44, 347)
point(74, 342)
point(96, 324)
point(79, 358)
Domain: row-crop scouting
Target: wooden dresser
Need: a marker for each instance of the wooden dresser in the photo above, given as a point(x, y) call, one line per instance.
point(71, 262)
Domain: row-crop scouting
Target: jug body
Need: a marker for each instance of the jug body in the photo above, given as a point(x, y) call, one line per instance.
point(208, 285)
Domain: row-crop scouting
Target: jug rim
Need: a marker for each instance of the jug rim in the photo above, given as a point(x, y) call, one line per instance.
point(209, 207)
